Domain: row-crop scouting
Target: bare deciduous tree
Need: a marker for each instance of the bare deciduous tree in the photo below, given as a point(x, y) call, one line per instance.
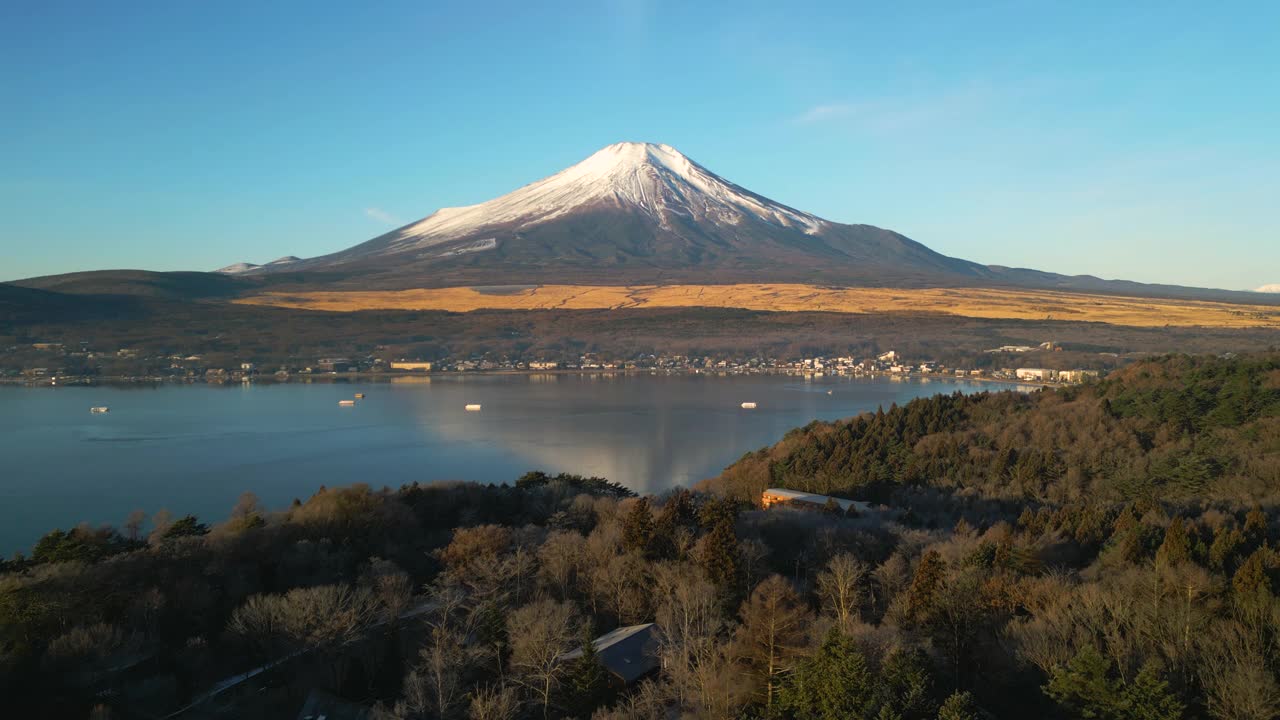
point(498, 702)
point(689, 616)
point(540, 633)
point(842, 587)
point(560, 559)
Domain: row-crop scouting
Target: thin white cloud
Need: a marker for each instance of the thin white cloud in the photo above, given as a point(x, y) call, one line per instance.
point(1271, 288)
point(902, 113)
point(823, 113)
point(382, 216)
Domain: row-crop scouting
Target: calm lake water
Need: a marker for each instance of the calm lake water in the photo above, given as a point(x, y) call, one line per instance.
point(194, 449)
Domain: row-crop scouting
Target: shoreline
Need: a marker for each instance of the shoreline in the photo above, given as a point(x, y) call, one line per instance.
point(391, 377)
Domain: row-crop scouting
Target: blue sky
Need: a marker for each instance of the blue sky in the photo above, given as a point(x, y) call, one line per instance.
point(1137, 141)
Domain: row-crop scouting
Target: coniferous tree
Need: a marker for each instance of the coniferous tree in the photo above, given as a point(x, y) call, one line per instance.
point(925, 586)
point(905, 687)
point(1084, 688)
point(720, 558)
point(637, 526)
point(1251, 578)
point(834, 684)
point(1176, 548)
point(1147, 697)
point(1226, 545)
point(959, 706)
point(587, 685)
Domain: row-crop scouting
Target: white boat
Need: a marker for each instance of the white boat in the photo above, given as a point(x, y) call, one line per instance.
point(346, 403)
point(748, 406)
point(830, 392)
point(473, 407)
point(359, 396)
point(99, 409)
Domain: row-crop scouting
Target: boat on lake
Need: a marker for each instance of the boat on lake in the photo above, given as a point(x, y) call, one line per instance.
point(359, 396)
point(748, 406)
point(99, 409)
point(346, 403)
point(474, 407)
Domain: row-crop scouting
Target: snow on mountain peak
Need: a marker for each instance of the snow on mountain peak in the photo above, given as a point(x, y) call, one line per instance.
point(238, 268)
point(1270, 288)
point(654, 179)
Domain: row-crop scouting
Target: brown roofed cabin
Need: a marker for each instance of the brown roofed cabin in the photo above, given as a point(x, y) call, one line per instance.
point(628, 653)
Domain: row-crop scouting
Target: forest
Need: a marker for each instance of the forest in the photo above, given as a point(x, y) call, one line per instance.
point(1104, 551)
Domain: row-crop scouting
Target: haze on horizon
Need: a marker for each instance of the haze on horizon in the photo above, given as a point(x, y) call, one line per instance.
point(1118, 142)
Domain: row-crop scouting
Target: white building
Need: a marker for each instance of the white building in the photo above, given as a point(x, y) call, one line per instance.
point(1041, 374)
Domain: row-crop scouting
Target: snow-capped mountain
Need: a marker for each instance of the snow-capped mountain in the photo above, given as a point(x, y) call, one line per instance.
point(1271, 288)
point(653, 179)
point(631, 212)
point(642, 213)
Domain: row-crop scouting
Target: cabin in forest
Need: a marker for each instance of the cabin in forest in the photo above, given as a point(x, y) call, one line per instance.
point(628, 653)
point(808, 501)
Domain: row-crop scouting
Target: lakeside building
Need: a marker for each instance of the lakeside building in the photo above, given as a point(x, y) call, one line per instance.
point(782, 496)
point(411, 365)
point(1042, 374)
point(628, 653)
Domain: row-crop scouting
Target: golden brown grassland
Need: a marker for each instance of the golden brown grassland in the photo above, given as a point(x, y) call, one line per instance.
point(965, 302)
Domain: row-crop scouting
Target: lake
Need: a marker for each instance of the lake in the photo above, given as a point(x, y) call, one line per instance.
point(196, 448)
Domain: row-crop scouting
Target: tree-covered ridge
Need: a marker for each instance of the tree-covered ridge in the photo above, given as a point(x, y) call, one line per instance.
point(1170, 428)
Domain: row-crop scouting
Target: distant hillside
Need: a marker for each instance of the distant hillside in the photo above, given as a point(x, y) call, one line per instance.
point(25, 306)
point(1171, 428)
point(170, 285)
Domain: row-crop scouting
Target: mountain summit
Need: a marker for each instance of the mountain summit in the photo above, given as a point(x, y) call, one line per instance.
point(656, 180)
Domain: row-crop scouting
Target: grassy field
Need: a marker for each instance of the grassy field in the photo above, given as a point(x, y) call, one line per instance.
point(963, 302)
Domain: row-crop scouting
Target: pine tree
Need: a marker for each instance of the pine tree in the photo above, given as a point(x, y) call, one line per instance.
point(925, 585)
point(905, 689)
point(959, 706)
point(1176, 548)
point(637, 526)
point(1085, 689)
point(1148, 697)
point(1226, 545)
point(1255, 527)
point(834, 684)
point(587, 686)
point(720, 555)
point(1251, 579)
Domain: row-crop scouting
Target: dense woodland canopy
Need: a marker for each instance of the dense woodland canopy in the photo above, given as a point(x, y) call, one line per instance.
point(1095, 552)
